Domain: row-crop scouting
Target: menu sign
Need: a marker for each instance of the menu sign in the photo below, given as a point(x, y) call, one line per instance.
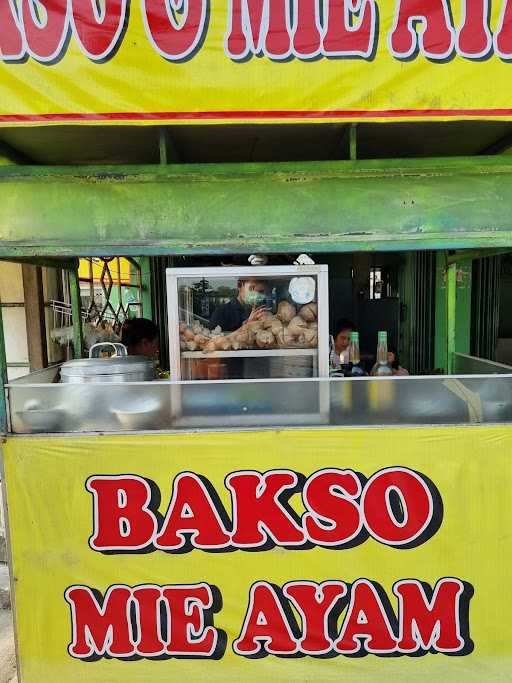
point(323, 561)
point(396, 506)
point(245, 60)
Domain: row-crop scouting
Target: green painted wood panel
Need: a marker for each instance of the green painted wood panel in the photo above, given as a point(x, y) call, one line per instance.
point(462, 332)
point(3, 378)
point(237, 208)
point(76, 313)
point(145, 268)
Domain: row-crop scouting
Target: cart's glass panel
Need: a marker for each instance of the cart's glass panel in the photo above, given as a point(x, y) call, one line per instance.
point(248, 328)
point(54, 408)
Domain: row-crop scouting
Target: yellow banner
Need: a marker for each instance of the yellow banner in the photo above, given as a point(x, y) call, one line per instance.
point(328, 555)
point(189, 61)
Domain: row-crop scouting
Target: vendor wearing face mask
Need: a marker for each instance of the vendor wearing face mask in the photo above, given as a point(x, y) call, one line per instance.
point(248, 306)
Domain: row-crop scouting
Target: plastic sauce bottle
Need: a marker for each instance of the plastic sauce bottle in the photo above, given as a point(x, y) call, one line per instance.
point(355, 357)
point(382, 367)
point(381, 395)
point(345, 363)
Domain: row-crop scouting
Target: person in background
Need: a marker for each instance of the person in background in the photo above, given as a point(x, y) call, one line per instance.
point(247, 306)
point(340, 342)
point(140, 336)
point(394, 362)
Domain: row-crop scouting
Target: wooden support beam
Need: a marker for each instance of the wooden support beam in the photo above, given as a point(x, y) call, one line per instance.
point(9, 155)
point(501, 146)
point(353, 141)
point(162, 144)
point(63, 264)
point(168, 152)
point(474, 254)
point(451, 315)
point(331, 206)
point(3, 379)
point(35, 317)
point(76, 313)
point(145, 268)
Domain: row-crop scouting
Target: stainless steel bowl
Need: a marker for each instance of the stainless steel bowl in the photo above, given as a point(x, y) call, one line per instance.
point(143, 414)
point(40, 420)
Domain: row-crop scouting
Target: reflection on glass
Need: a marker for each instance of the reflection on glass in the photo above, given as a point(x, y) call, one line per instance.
point(256, 404)
point(240, 328)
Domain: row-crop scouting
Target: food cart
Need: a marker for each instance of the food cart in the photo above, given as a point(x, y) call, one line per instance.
point(251, 517)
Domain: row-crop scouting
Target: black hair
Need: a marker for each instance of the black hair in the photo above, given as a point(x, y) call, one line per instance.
point(242, 280)
point(342, 324)
point(134, 330)
point(396, 363)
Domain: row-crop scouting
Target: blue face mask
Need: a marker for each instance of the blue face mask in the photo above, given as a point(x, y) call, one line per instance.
point(253, 298)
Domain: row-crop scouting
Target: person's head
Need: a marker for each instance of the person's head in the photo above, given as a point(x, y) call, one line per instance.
point(251, 291)
point(393, 358)
point(140, 336)
point(341, 334)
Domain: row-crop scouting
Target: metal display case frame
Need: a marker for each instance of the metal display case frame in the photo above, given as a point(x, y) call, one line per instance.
point(319, 272)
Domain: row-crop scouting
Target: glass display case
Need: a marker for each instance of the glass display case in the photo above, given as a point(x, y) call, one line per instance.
point(250, 322)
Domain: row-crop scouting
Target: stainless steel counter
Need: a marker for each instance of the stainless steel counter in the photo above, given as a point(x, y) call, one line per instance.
point(37, 405)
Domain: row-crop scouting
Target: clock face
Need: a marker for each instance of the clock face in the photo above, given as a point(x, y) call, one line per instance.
point(302, 289)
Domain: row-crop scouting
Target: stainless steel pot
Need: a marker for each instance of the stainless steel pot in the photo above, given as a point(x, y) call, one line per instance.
point(118, 367)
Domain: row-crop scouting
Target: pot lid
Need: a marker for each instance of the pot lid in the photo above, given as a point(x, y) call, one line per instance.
point(87, 367)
